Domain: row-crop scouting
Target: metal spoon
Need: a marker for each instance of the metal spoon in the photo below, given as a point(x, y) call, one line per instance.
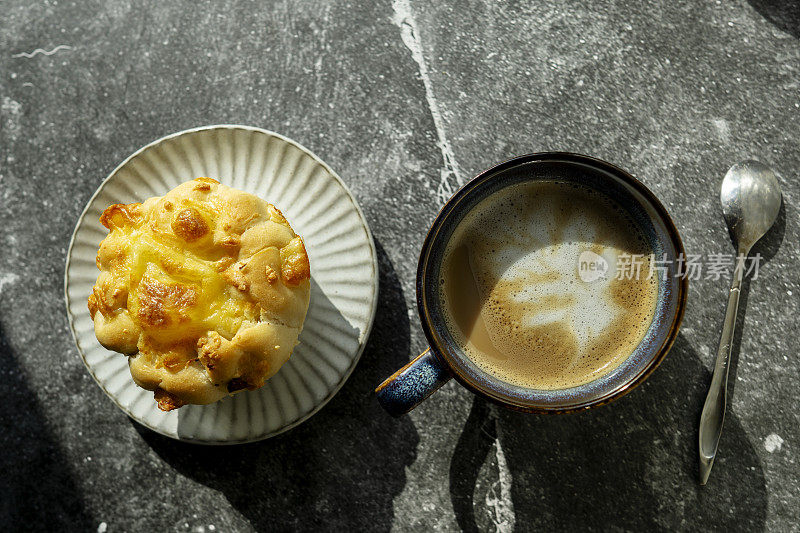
point(751, 200)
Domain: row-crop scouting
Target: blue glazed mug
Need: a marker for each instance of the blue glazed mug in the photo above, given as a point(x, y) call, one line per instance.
point(444, 360)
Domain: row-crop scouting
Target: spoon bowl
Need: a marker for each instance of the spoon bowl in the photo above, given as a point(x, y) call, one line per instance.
point(751, 199)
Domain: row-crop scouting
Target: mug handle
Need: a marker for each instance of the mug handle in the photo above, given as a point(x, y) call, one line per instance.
point(412, 384)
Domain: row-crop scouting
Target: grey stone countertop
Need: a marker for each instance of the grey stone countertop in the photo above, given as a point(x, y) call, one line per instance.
point(406, 99)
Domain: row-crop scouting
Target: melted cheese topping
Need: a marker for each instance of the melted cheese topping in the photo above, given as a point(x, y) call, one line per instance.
point(175, 294)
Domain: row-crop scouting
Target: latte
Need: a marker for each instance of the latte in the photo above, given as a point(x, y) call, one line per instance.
point(531, 290)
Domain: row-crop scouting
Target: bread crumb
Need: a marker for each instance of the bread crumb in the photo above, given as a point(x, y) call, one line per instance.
point(272, 276)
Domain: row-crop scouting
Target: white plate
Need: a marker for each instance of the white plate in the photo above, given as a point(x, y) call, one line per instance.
point(344, 277)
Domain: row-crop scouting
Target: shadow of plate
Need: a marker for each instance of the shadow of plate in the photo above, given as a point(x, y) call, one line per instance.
point(319, 365)
point(339, 470)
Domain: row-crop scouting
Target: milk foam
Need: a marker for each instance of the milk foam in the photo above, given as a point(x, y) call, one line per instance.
point(550, 328)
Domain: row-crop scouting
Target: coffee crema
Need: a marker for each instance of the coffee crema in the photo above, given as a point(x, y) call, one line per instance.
point(515, 300)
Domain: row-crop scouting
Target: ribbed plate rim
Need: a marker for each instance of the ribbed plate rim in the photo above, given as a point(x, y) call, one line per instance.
point(365, 334)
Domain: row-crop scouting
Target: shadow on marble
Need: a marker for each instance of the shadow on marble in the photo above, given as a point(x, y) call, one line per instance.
point(339, 470)
point(630, 465)
point(784, 14)
point(37, 488)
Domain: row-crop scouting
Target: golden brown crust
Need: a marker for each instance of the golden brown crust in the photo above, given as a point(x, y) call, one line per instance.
point(121, 215)
point(162, 304)
point(294, 262)
point(205, 288)
point(167, 401)
point(189, 224)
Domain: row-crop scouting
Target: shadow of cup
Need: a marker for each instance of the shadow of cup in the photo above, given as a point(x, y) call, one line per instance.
point(629, 466)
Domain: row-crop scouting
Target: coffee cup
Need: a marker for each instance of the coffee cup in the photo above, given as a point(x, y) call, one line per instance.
point(526, 290)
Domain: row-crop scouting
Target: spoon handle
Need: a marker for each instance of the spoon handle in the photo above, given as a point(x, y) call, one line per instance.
point(714, 409)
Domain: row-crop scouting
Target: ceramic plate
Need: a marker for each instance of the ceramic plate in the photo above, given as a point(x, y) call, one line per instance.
point(344, 280)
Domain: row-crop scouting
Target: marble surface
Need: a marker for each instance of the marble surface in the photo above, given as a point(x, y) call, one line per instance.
point(406, 99)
